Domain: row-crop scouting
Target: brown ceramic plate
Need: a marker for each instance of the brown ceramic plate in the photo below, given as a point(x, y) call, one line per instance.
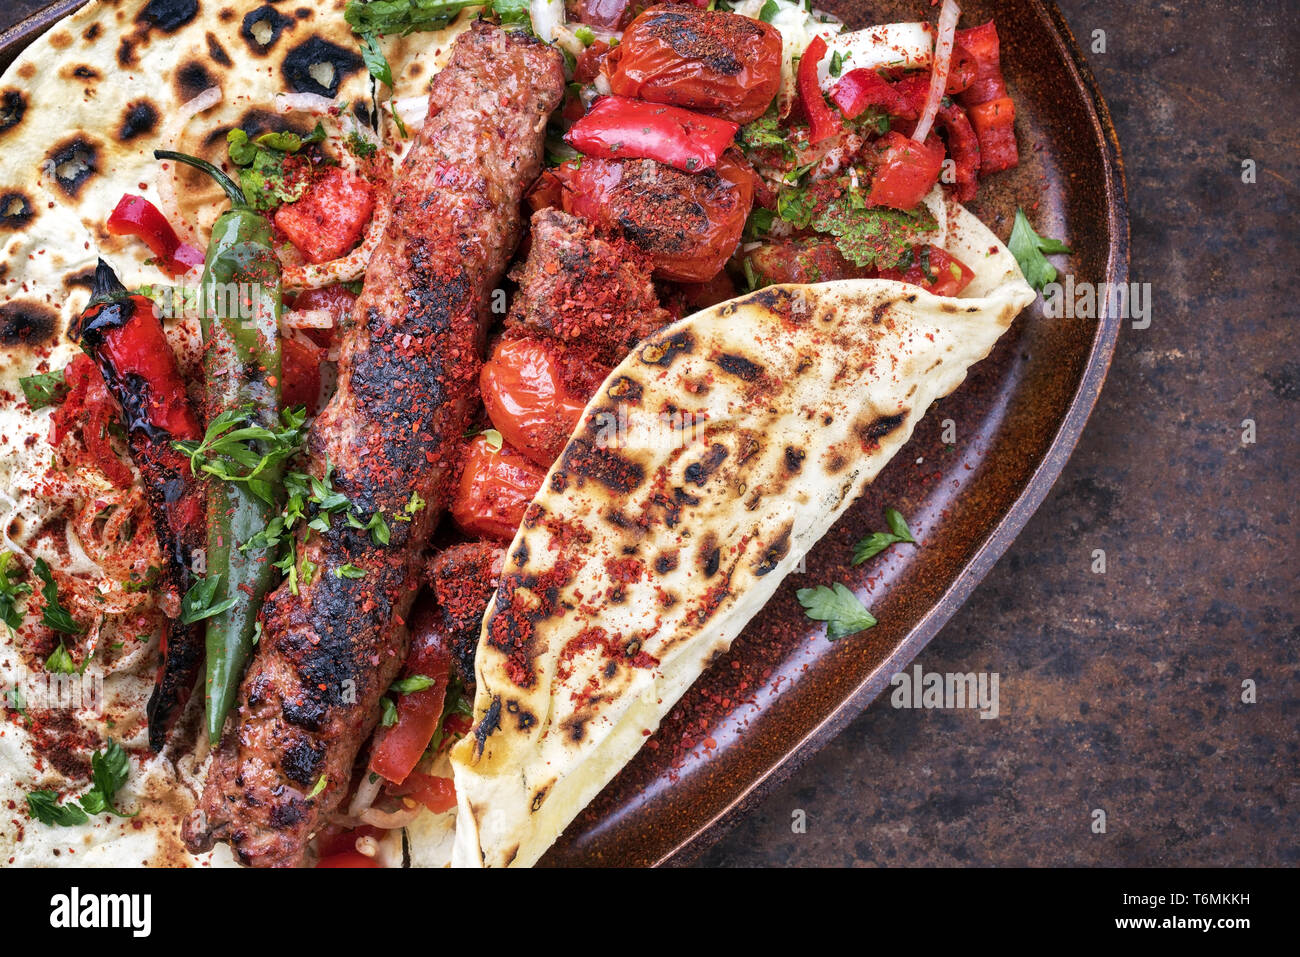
point(783, 691)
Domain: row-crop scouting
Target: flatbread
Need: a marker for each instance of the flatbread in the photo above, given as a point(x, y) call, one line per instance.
point(708, 464)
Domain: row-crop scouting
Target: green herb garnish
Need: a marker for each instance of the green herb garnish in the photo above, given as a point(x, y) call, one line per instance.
point(843, 613)
point(44, 388)
point(877, 542)
point(55, 615)
point(1028, 248)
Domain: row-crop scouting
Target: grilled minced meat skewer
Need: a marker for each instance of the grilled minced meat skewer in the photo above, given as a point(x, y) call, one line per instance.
point(408, 374)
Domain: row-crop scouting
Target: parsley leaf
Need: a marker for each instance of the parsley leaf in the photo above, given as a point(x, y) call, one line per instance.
point(234, 449)
point(55, 615)
point(197, 603)
point(1028, 248)
point(44, 389)
point(412, 684)
point(349, 571)
point(108, 771)
point(60, 662)
point(45, 807)
point(320, 786)
point(769, 11)
point(388, 712)
point(375, 60)
point(404, 16)
point(843, 613)
point(877, 542)
point(11, 591)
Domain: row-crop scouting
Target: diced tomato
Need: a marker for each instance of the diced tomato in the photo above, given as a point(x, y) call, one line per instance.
point(329, 220)
point(299, 374)
point(397, 748)
point(348, 859)
point(822, 121)
point(934, 270)
point(671, 54)
point(526, 400)
point(435, 793)
point(859, 89)
point(495, 490)
point(801, 261)
point(907, 170)
point(136, 216)
point(962, 70)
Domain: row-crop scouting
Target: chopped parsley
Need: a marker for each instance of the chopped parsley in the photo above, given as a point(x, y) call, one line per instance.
point(1028, 248)
point(321, 782)
point(12, 591)
point(261, 162)
point(877, 542)
point(388, 712)
point(198, 601)
point(108, 772)
point(412, 684)
point(349, 571)
point(44, 389)
point(842, 611)
point(55, 615)
point(235, 449)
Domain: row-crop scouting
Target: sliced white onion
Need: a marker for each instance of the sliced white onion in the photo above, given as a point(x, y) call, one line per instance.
point(906, 45)
point(948, 15)
point(306, 319)
point(312, 103)
point(366, 794)
point(171, 136)
point(387, 820)
point(547, 17)
point(412, 109)
point(352, 266)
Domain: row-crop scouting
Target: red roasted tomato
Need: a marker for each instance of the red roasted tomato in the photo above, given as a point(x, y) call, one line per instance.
point(300, 374)
point(718, 63)
point(526, 398)
point(329, 220)
point(688, 223)
point(494, 490)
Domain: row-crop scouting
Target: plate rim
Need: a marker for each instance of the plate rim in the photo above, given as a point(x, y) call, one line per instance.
point(691, 845)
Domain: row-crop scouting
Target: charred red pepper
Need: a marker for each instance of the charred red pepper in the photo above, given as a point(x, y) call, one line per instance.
point(619, 128)
point(858, 90)
point(822, 121)
point(124, 336)
point(136, 216)
point(992, 113)
point(715, 62)
point(963, 148)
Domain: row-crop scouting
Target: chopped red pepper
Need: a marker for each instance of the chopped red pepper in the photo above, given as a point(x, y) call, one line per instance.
point(619, 128)
point(329, 220)
point(906, 172)
point(822, 121)
point(992, 113)
point(136, 216)
point(859, 89)
point(90, 408)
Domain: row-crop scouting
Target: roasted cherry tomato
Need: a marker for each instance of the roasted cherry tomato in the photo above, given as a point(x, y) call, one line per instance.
point(435, 793)
point(495, 489)
point(934, 270)
point(718, 63)
point(907, 170)
point(526, 399)
point(688, 223)
point(329, 220)
point(300, 368)
point(398, 747)
point(589, 62)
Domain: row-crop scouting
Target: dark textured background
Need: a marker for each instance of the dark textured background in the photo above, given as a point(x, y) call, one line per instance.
point(1122, 691)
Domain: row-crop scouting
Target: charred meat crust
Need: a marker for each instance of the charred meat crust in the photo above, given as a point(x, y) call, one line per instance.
point(408, 377)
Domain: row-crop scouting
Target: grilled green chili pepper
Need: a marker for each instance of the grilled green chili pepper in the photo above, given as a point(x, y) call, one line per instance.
point(239, 316)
